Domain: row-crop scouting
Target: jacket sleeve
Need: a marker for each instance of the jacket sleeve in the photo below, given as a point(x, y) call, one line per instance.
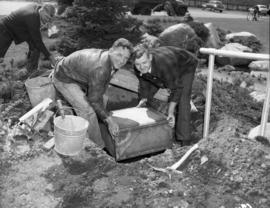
point(146, 89)
point(33, 26)
point(176, 91)
point(96, 89)
point(186, 62)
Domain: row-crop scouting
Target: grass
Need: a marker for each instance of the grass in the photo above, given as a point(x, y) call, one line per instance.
point(260, 28)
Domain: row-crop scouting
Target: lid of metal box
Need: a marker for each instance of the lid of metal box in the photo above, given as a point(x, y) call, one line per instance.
point(137, 118)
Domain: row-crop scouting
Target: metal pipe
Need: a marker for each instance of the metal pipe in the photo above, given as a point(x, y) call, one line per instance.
point(41, 106)
point(265, 111)
point(255, 56)
point(208, 95)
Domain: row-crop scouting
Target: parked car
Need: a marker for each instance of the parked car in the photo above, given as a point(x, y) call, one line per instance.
point(262, 9)
point(213, 6)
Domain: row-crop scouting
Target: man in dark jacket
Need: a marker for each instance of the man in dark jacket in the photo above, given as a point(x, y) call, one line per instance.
point(23, 25)
point(83, 77)
point(172, 68)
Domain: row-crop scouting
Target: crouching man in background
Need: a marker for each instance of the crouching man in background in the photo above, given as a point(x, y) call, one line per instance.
point(83, 77)
point(172, 68)
point(23, 25)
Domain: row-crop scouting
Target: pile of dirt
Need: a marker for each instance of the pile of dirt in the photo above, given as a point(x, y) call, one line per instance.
point(227, 171)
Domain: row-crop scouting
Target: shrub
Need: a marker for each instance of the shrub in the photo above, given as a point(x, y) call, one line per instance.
point(251, 42)
point(97, 24)
point(222, 35)
point(199, 28)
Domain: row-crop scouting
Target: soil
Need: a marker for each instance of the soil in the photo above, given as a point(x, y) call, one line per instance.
point(227, 171)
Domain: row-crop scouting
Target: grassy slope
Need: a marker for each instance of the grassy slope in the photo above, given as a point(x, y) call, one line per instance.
point(260, 29)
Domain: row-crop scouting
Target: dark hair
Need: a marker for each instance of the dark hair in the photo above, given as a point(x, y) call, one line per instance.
point(122, 42)
point(139, 50)
point(49, 9)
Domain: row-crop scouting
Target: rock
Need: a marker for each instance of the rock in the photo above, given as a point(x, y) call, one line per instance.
point(256, 132)
point(193, 107)
point(53, 32)
point(236, 47)
point(258, 96)
point(243, 84)
point(213, 39)
point(259, 74)
point(204, 159)
point(227, 68)
point(239, 34)
point(259, 65)
point(179, 35)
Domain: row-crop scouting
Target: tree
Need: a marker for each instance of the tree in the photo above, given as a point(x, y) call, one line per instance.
point(97, 24)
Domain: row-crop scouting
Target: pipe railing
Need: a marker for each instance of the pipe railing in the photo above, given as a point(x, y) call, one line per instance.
point(254, 56)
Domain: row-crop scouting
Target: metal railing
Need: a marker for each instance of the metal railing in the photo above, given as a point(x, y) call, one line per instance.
point(212, 53)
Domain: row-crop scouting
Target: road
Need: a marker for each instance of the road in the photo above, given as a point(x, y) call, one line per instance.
point(198, 13)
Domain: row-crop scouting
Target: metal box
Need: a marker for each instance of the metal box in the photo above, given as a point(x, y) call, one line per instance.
point(142, 131)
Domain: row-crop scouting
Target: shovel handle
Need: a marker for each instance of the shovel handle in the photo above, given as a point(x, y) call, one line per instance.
point(61, 109)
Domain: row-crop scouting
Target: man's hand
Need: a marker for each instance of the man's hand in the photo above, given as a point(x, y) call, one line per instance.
point(141, 103)
point(113, 126)
point(53, 60)
point(171, 119)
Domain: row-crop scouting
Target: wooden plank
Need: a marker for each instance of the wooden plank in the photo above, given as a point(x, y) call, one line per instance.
point(128, 80)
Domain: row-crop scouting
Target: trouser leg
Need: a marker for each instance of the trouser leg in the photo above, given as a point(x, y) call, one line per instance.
point(5, 41)
point(32, 58)
point(76, 97)
point(182, 128)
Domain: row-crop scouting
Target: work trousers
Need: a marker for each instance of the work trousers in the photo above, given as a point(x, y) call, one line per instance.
point(73, 94)
point(182, 126)
point(5, 42)
point(32, 58)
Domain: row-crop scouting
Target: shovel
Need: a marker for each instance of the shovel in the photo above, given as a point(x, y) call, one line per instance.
point(173, 168)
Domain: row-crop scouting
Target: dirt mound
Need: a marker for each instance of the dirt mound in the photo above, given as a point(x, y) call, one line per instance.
point(236, 170)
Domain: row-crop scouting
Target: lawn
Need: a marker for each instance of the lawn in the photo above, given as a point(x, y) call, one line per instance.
point(260, 28)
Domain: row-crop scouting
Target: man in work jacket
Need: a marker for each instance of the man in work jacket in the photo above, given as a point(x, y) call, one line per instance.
point(23, 25)
point(172, 68)
point(83, 77)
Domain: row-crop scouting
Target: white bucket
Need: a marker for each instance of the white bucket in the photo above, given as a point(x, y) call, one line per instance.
point(69, 134)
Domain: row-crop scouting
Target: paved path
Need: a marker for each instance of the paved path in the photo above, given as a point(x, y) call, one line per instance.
point(8, 6)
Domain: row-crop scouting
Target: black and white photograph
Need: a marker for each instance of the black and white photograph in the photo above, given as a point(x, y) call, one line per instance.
point(134, 104)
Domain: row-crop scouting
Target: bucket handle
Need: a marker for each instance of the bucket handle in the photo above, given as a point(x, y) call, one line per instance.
point(42, 75)
point(68, 108)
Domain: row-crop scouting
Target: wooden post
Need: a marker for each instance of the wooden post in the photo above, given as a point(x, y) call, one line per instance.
point(208, 95)
point(265, 111)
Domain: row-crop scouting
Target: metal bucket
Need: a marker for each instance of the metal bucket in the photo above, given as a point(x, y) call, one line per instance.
point(69, 134)
point(39, 88)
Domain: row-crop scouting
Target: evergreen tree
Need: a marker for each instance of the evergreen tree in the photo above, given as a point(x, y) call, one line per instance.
point(97, 24)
